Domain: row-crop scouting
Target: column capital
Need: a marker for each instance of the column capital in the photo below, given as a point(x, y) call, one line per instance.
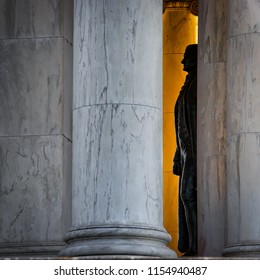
point(192, 5)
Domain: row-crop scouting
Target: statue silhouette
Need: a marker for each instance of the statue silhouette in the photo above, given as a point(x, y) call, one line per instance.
point(184, 162)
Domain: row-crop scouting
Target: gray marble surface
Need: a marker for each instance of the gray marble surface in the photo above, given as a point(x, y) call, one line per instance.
point(118, 241)
point(211, 116)
point(243, 84)
point(212, 102)
point(31, 199)
point(243, 195)
point(117, 113)
point(243, 126)
point(243, 17)
point(30, 19)
point(36, 124)
point(36, 93)
point(117, 130)
point(125, 65)
point(211, 204)
point(117, 177)
point(213, 31)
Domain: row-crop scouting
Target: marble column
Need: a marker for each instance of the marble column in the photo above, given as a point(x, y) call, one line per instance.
point(211, 120)
point(117, 131)
point(243, 127)
point(179, 30)
point(35, 126)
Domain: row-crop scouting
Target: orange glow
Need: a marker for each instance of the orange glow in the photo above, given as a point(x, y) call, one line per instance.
point(180, 29)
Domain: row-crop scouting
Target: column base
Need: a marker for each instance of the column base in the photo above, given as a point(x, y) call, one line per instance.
point(242, 250)
point(31, 249)
point(118, 242)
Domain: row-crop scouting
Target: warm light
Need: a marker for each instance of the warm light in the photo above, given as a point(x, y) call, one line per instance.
point(180, 29)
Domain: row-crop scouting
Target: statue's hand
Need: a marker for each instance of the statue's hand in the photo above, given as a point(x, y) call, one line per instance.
point(176, 169)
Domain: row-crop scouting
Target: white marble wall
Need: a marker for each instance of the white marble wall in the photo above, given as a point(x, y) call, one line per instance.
point(117, 130)
point(212, 127)
point(243, 126)
point(35, 127)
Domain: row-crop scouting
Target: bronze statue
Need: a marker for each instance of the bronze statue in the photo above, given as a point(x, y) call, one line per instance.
point(184, 162)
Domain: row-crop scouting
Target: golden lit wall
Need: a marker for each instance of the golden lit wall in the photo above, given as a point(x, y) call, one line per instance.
point(180, 30)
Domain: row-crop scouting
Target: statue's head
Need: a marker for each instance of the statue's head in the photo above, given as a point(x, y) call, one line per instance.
point(190, 58)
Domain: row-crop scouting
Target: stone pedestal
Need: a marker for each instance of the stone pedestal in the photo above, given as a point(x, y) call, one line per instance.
point(243, 125)
point(211, 120)
point(117, 131)
point(35, 126)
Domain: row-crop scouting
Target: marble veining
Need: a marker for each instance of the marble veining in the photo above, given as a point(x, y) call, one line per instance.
point(109, 66)
point(34, 100)
point(243, 167)
point(211, 204)
point(212, 109)
point(35, 127)
point(117, 178)
point(212, 127)
point(243, 83)
point(31, 192)
point(243, 17)
point(30, 19)
point(212, 35)
point(243, 128)
point(117, 145)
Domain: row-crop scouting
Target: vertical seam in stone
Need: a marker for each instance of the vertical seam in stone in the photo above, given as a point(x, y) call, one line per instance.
point(105, 89)
point(238, 185)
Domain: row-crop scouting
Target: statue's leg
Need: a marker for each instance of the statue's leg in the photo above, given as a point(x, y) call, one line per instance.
point(183, 238)
point(188, 192)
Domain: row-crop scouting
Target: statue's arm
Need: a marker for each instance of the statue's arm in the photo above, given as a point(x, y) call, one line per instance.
point(192, 113)
point(176, 169)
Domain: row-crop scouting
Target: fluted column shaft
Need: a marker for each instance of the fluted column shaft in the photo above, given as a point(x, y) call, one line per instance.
point(117, 130)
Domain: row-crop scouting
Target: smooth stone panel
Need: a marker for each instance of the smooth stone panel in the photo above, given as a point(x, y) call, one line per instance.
point(243, 17)
point(212, 31)
point(211, 115)
point(211, 205)
point(35, 93)
point(33, 192)
point(117, 179)
point(243, 193)
point(118, 54)
point(211, 134)
point(243, 85)
point(30, 18)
